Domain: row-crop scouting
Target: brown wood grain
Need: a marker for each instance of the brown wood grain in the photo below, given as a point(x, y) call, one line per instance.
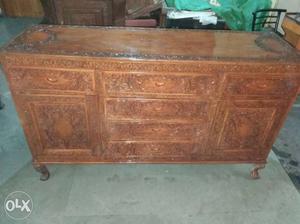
point(154, 44)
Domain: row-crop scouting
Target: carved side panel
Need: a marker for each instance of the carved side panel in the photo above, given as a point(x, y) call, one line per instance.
point(245, 127)
point(62, 125)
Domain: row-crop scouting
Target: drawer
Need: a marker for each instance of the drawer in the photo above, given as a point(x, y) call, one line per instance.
point(126, 108)
point(156, 131)
point(141, 151)
point(51, 79)
point(260, 85)
point(145, 83)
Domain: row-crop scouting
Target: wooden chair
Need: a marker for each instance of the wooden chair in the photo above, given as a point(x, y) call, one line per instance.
point(266, 17)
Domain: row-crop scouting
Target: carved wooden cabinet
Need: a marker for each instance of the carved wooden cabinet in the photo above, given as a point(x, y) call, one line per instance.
point(111, 95)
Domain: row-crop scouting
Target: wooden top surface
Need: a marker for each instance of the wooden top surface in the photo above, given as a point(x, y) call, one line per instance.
point(152, 44)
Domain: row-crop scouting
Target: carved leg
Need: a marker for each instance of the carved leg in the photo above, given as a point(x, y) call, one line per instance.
point(43, 170)
point(254, 172)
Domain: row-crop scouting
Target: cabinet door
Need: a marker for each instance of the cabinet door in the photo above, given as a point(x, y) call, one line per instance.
point(246, 129)
point(58, 126)
point(99, 17)
point(85, 12)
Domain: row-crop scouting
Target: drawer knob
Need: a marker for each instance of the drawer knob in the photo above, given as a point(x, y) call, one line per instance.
point(159, 84)
point(51, 79)
point(157, 108)
point(262, 85)
point(155, 129)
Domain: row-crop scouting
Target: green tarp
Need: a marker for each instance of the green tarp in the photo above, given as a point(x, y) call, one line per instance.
point(236, 13)
point(192, 5)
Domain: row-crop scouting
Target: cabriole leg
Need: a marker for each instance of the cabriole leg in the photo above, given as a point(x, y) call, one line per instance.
point(43, 170)
point(255, 171)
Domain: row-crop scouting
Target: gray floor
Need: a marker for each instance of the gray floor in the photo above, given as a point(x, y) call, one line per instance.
point(157, 194)
point(287, 145)
point(148, 193)
point(14, 152)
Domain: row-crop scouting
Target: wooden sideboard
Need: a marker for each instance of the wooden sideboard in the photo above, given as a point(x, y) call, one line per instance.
point(124, 95)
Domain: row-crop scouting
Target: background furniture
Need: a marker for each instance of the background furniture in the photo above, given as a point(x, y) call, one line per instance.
point(291, 27)
point(146, 13)
point(26, 8)
point(1, 8)
point(189, 23)
point(187, 99)
point(267, 18)
point(141, 22)
point(1, 104)
point(85, 12)
point(102, 12)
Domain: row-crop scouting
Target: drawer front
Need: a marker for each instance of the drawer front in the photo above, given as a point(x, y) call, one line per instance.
point(261, 85)
point(123, 108)
point(139, 151)
point(156, 131)
point(51, 79)
point(145, 83)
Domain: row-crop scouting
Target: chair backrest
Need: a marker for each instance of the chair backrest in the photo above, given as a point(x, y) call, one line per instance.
point(264, 17)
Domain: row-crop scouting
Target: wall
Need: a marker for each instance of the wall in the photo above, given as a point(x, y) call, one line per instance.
point(290, 6)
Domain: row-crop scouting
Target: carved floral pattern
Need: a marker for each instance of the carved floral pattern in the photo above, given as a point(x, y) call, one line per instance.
point(65, 125)
point(62, 126)
point(245, 128)
point(41, 34)
point(156, 109)
point(160, 83)
point(154, 131)
point(49, 79)
point(263, 85)
point(142, 151)
point(157, 66)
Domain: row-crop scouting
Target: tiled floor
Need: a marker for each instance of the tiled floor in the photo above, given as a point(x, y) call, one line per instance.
point(148, 193)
